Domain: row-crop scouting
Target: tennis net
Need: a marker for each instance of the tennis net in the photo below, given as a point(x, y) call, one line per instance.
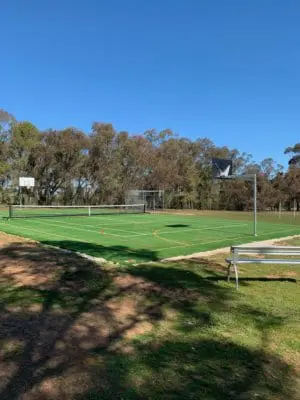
point(31, 211)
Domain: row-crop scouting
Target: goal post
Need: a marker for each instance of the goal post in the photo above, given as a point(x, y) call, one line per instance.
point(153, 200)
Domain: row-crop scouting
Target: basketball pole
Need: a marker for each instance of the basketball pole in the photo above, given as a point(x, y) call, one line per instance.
point(253, 178)
point(222, 169)
point(255, 204)
point(249, 178)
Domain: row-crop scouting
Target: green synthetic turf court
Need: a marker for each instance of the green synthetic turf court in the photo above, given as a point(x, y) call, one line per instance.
point(146, 237)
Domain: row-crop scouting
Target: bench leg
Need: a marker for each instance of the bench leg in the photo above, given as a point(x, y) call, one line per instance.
point(236, 275)
point(228, 272)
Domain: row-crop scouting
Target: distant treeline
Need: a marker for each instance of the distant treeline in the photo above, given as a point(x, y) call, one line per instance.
point(72, 167)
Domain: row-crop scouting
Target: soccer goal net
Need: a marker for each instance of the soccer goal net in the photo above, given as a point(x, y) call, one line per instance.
point(152, 199)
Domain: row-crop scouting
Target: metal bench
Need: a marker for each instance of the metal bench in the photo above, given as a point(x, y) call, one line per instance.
point(237, 251)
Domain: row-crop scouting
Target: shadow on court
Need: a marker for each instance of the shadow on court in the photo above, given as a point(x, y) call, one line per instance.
point(110, 253)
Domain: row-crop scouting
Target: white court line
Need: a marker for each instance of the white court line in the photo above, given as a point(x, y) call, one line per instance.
point(102, 243)
point(160, 232)
point(160, 249)
point(203, 229)
point(62, 223)
point(223, 240)
point(43, 232)
point(124, 222)
point(279, 231)
point(135, 233)
point(77, 229)
point(113, 218)
point(199, 243)
point(74, 239)
point(57, 235)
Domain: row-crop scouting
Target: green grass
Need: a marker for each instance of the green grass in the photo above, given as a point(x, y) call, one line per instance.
point(150, 237)
point(206, 340)
point(223, 344)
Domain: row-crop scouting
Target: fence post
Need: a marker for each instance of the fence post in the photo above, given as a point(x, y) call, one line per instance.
point(280, 210)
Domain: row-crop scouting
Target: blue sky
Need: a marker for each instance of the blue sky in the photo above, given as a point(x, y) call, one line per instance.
point(227, 70)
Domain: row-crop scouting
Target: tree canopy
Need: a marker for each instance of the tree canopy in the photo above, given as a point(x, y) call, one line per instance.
point(101, 166)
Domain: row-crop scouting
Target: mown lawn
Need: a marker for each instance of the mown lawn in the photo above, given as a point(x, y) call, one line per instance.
point(72, 329)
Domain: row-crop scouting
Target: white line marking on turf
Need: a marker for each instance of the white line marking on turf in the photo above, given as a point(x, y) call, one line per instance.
point(45, 233)
point(264, 233)
point(62, 223)
point(119, 222)
point(105, 236)
point(77, 229)
point(74, 239)
point(135, 234)
point(203, 229)
point(228, 239)
point(198, 244)
point(57, 235)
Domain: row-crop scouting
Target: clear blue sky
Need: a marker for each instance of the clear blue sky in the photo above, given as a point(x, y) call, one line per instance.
point(224, 69)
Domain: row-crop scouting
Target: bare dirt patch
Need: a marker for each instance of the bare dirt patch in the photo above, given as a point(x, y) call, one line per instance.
point(5, 239)
point(60, 314)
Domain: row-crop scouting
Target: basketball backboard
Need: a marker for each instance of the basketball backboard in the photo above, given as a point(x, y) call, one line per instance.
point(26, 182)
point(221, 168)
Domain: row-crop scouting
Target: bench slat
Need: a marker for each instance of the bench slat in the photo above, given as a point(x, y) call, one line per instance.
point(278, 253)
point(261, 261)
point(279, 250)
point(265, 247)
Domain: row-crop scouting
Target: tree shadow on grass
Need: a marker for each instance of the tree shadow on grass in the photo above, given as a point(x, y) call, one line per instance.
point(189, 273)
point(70, 329)
point(110, 253)
point(197, 369)
point(214, 271)
point(43, 294)
point(196, 366)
